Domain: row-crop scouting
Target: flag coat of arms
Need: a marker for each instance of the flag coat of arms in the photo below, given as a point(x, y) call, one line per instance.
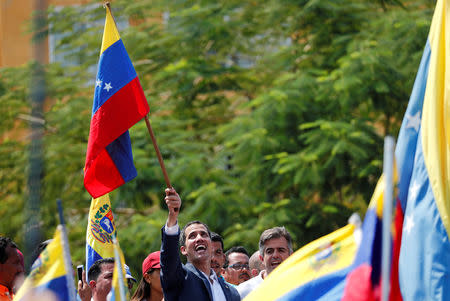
point(119, 102)
point(100, 231)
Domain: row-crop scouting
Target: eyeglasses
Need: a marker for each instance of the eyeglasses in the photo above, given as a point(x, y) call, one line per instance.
point(239, 266)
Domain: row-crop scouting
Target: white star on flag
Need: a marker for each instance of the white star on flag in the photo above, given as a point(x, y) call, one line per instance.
point(413, 121)
point(107, 87)
point(98, 83)
point(413, 191)
point(409, 224)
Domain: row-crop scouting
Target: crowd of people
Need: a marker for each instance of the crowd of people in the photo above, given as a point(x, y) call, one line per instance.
point(209, 273)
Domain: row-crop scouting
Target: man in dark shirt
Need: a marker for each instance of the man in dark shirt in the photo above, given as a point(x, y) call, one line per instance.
point(195, 280)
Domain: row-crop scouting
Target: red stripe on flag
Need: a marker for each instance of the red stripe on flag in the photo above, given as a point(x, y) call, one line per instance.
point(359, 285)
point(395, 294)
point(121, 111)
point(103, 176)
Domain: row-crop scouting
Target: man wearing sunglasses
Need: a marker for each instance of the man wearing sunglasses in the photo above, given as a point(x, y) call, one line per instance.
point(236, 269)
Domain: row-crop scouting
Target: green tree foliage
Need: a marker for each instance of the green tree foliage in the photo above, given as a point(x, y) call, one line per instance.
point(266, 114)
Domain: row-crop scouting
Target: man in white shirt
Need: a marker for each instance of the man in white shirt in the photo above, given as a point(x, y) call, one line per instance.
point(194, 280)
point(275, 245)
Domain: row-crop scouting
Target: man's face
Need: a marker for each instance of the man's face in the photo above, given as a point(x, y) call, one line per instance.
point(11, 269)
point(237, 270)
point(197, 246)
point(218, 258)
point(276, 250)
point(102, 287)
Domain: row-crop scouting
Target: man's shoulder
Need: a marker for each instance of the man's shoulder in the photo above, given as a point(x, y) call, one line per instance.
point(246, 287)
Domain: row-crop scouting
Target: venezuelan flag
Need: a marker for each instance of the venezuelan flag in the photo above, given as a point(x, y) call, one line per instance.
point(119, 102)
point(364, 279)
point(119, 285)
point(315, 271)
point(100, 231)
point(48, 276)
point(423, 152)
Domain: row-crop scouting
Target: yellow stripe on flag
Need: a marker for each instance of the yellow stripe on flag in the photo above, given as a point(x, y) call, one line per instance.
point(323, 256)
point(110, 34)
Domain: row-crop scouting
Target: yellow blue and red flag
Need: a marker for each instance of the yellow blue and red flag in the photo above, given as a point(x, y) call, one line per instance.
point(119, 291)
point(49, 275)
point(315, 272)
point(119, 102)
point(363, 281)
point(100, 231)
point(423, 154)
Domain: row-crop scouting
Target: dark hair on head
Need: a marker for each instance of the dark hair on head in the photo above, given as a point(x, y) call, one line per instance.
point(271, 233)
point(96, 268)
point(4, 243)
point(143, 291)
point(217, 238)
point(183, 231)
point(235, 249)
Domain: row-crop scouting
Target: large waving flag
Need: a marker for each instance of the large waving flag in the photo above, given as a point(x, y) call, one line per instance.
point(119, 102)
point(315, 272)
point(49, 275)
point(100, 231)
point(423, 153)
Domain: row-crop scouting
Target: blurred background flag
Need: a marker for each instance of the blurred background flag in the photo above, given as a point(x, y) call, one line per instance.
point(315, 271)
point(119, 102)
point(423, 154)
point(364, 279)
point(119, 291)
point(49, 276)
point(100, 230)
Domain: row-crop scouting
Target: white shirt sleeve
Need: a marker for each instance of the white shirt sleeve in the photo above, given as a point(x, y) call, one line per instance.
point(172, 230)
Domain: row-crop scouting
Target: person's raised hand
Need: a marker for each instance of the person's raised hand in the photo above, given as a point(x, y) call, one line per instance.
point(173, 202)
point(84, 290)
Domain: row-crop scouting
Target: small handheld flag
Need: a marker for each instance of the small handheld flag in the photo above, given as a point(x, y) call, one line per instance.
point(49, 275)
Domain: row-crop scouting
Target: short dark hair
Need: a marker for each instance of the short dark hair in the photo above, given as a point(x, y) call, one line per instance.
point(5, 242)
point(183, 231)
point(217, 238)
point(271, 233)
point(96, 268)
point(235, 249)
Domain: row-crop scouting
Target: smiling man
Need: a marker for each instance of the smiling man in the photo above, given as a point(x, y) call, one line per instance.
point(195, 280)
point(275, 245)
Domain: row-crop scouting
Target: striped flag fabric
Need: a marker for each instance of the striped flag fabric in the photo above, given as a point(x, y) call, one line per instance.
point(119, 290)
point(49, 277)
point(423, 153)
point(119, 102)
